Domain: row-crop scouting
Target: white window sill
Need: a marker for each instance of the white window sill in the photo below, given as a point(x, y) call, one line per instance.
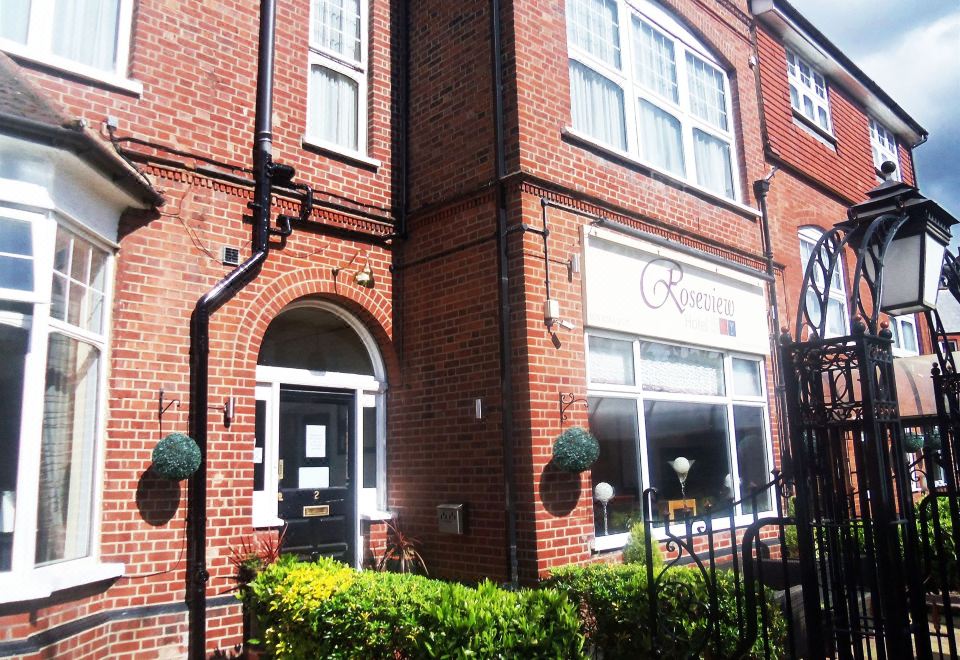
point(815, 130)
point(618, 541)
point(611, 542)
point(668, 177)
point(268, 523)
point(340, 152)
point(87, 73)
point(45, 581)
point(376, 516)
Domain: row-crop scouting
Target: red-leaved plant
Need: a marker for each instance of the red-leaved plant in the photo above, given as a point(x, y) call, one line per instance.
point(254, 554)
point(400, 554)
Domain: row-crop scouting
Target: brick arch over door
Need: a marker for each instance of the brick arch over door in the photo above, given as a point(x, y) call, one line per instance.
point(369, 306)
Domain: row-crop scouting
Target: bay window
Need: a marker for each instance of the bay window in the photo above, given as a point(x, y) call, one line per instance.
point(337, 79)
point(651, 403)
point(642, 85)
point(53, 324)
point(89, 37)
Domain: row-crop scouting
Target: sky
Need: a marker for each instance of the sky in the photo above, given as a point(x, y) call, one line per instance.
point(911, 48)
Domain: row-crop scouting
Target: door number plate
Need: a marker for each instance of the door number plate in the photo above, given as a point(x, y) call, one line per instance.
point(316, 511)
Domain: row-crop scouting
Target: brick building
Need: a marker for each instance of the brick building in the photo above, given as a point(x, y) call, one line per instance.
point(506, 242)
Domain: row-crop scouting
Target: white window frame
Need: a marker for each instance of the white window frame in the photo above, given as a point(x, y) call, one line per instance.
point(904, 326)
point(25, 580)
point(38, 48)
point(634, 91)
point(356, 70)
point(813, 87)
point(838, 290)
point(883, 144)
point(729, 400)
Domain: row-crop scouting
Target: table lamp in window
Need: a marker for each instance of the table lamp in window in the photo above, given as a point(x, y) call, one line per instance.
point(603, 493)
point(682, 467)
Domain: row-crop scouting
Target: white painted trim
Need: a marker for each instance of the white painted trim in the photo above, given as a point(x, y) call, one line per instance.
point(670, 178)
point(47, 580)
point(339, 151)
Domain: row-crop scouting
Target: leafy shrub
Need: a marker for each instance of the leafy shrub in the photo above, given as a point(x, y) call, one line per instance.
point(934, 554)
point(615, 615)
point(635, 551)
point(327, 610)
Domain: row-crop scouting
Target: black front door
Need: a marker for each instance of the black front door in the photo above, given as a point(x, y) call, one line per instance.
point(317, 499)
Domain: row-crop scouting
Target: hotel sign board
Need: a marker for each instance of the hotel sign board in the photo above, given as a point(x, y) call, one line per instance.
point(645, 289)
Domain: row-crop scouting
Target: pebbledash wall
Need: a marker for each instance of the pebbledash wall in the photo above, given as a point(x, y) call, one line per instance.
point(658, 273)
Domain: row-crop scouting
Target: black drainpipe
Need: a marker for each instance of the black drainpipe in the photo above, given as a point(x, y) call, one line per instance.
point(506, 366)
point(761, 188)
point(197, 574)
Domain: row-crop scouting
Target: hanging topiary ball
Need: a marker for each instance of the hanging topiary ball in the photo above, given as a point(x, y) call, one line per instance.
point(933, 440)
point(176, 457)
point(912, 443)
point(575, 450)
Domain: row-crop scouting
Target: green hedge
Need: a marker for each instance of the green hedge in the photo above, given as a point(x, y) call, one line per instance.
point(613, 603)
point(325, 609)
point(934, 554)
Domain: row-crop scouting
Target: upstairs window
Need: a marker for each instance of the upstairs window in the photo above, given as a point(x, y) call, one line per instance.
point(808, 92)
point(884, 147)
point(836, 325)
point(89, 36)
point(904, 329)
point(641, 84)
point(337, 89)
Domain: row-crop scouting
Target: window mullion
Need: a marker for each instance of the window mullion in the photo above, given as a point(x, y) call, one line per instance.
point(34, 385)
point(685, 115)
point(40, 26)
point(629, 84)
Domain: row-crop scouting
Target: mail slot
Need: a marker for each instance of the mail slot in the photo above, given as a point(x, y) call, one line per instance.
point(316, 511)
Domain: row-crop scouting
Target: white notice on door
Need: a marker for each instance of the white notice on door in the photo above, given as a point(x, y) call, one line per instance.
point(314, 477)
point(316, 441)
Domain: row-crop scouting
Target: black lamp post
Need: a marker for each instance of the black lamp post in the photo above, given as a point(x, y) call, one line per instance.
point(844, 424)
point(899, 237)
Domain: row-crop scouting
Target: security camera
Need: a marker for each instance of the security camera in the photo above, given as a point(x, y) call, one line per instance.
point(566, 325)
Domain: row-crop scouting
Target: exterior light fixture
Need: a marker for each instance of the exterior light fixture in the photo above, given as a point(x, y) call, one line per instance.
point(364, 277)
point(914, 257)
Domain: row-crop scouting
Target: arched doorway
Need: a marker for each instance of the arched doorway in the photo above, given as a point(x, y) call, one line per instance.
point(320, 427)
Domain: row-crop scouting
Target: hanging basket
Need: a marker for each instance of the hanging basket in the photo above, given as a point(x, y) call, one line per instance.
point(912, 443)
point(575, 450)
point(176, 457)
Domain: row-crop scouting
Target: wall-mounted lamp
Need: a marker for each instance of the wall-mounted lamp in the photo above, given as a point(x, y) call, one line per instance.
point(362, 277)
point(551, 315)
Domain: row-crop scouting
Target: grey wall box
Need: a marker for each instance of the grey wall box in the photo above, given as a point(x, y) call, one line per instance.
point(450, 518)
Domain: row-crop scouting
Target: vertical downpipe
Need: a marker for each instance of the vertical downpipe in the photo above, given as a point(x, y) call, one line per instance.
point(506, 366)
point(197, 574)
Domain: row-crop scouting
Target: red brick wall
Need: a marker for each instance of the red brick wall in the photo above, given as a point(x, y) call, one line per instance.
point(198, 70)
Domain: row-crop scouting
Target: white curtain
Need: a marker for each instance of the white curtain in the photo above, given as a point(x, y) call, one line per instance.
point(714, 171)
point(593, 26)
point(707, 98)
point(333, 107)
point(660, 139)
point(65, 502)
point(85, 31)
point(597, 106)
point(14, 17)
point(336, 27)
point(655, 61)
